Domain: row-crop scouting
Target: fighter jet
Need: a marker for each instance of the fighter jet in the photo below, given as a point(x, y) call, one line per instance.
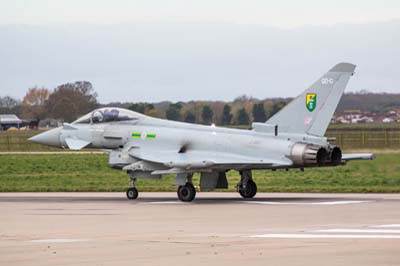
point(148, 147)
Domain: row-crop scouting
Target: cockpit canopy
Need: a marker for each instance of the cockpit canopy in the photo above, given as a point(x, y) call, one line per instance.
point(108, 114)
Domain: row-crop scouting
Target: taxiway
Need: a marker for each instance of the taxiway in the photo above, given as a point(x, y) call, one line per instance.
point(215, 229)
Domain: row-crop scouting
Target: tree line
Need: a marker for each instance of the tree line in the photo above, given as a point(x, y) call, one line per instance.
point(242, 111)
point(69, 101)
point(65, 102)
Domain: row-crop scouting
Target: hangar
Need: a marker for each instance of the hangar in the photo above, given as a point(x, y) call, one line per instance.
point(11, 121)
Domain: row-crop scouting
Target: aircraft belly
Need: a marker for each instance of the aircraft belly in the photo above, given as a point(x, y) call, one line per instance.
point(254, 146)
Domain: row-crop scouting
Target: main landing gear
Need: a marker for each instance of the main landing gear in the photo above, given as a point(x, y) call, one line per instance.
point(247, 188)
point(186, 192)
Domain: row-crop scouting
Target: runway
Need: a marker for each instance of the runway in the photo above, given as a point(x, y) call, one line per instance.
point(215, 229)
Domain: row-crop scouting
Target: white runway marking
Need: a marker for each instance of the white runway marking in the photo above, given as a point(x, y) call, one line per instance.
point(342, 202)
point(311, 236)
point(58, 240)
point(165, 202)
point(385, 231)
point(386, 225)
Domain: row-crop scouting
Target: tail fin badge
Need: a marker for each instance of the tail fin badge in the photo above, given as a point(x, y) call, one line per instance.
point(311, 101)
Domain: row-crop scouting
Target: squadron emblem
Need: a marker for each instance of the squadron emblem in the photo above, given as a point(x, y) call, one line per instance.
point(311, 101)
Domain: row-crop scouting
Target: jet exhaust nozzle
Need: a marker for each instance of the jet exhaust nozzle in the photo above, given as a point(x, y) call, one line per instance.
point(303, 154)
point(335, 156)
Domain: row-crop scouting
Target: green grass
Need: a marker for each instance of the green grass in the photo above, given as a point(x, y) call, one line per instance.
point(84, 172)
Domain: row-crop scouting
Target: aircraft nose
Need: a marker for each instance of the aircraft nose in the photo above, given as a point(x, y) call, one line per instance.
point(50, 137)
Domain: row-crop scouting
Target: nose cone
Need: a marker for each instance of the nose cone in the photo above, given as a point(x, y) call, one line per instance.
point(50, 137)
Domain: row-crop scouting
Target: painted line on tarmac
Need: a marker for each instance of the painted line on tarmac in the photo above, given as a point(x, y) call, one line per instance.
point(315, 236)
point(341, 202)
point(58, 240)
point(384, 231)
point(386, 226)
point(165, 202)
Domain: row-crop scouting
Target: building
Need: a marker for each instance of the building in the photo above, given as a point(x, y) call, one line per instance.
point(8, 121)
point(50, 123)
point(388, 120)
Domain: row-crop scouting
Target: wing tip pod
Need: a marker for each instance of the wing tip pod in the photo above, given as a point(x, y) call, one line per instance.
point(358, 156)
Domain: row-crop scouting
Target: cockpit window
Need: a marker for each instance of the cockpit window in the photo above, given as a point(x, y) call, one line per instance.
point(105, 115)
point(111, 115)
point(86, 119)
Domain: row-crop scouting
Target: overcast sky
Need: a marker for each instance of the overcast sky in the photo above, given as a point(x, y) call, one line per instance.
point(182, 50)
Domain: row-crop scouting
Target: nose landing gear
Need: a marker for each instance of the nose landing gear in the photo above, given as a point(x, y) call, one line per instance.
point(132, 193)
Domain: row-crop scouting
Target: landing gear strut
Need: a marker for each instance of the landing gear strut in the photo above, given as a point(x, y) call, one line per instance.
point(132, 193)
point(247, 188)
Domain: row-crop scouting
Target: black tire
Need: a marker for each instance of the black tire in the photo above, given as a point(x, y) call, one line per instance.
point(186, 193)
point(250, 191)
point(132, 193)
point(254, 189)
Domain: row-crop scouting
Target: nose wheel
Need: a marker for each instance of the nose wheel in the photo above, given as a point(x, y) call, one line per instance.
point(187, 192)
point(132, 193)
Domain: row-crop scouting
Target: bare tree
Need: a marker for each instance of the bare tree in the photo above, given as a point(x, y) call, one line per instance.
point(10, 105)
point(34, 103)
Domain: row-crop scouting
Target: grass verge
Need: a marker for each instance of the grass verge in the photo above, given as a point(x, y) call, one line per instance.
point(90, 172)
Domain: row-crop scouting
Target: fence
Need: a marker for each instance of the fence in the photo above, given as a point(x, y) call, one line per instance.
point(18, 141)
point(360, 138)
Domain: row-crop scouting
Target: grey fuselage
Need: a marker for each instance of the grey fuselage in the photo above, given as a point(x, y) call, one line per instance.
point(175, 136)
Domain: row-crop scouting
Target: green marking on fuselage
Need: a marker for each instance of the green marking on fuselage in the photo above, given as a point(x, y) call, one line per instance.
point(151, 136)
point(136, 135)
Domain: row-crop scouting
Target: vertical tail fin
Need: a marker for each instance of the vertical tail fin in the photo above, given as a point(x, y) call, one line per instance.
point(311, 111)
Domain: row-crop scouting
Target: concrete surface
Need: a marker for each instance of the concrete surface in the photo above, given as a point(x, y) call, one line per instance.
point(216, 229)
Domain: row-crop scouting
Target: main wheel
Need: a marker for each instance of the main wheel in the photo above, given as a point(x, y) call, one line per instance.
point(132, 193)
point(187, 192)
point(249, 191)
